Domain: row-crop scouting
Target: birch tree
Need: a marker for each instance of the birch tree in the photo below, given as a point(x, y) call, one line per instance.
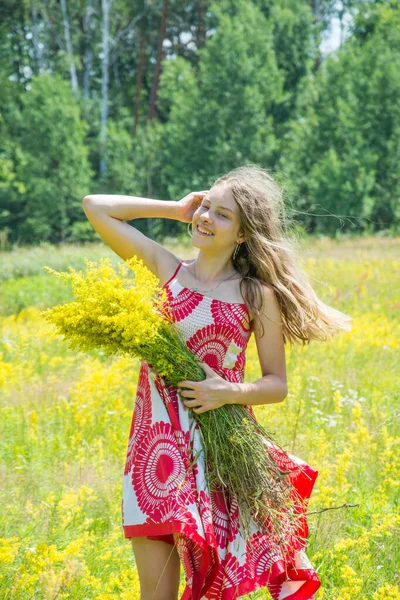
point(68, 44)
point(88, 54)
point(106, 9)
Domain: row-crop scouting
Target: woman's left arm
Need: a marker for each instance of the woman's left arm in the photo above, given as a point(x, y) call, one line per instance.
point(216, 391)
point(272, 386)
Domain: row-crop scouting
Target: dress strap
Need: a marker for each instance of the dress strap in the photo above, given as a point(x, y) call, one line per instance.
point(174, 275)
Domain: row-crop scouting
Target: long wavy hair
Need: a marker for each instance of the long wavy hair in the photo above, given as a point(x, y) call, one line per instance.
point(269, 256)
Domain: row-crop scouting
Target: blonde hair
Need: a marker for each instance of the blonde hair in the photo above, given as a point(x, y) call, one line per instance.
point(269, 256)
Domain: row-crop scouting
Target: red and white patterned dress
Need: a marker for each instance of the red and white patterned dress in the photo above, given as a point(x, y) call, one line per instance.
point(165, 497)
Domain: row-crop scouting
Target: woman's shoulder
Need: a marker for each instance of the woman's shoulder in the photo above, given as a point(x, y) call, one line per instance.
point(269, 301)
point(271, 307)
point(167, 264)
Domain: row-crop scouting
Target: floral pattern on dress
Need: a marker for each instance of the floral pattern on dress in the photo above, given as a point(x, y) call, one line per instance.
point(165, 495)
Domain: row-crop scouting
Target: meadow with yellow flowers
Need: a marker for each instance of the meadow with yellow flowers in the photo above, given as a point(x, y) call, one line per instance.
point(65, 420)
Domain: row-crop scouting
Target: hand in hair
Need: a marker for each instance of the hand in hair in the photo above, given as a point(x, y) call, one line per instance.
point(188, 205)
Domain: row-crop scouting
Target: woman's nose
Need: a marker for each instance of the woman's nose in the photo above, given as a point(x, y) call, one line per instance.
point(205, 215)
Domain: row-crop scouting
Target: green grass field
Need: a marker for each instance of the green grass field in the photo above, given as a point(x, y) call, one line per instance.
point(65, 419)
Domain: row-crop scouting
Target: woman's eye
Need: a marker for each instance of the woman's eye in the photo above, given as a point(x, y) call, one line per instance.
point(220, 213)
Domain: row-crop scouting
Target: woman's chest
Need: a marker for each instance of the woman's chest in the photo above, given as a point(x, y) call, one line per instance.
point(204, 320)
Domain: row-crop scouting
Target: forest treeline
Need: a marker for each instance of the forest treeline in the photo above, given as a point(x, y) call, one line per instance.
point(158, 98)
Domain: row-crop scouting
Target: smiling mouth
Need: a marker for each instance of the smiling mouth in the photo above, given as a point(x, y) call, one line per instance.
point(203, 231)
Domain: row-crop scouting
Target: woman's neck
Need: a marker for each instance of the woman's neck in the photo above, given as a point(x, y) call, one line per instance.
point(208, 271)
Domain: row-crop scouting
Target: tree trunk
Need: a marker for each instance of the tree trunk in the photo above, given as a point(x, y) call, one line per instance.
point(315, 10)
point(88, 55)
point(106, 7)
point(68, 43)
point(201, 31)
point(157, 69)
point(37, 52)
point(139, 75)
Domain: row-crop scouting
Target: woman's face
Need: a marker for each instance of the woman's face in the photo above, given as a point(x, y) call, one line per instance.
point(219, 215)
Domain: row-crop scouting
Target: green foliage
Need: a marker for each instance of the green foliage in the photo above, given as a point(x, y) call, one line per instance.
point(50, 163)
point(343, 149)
point(248, 85)
point(119, 149)
point(27, 262)
point(17, 294)
point(296, 39)
point(225, 119)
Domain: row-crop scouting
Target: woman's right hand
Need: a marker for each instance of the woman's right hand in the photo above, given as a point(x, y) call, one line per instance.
point(188, 205)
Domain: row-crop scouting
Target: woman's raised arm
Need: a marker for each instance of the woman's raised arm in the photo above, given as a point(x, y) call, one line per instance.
point(107, 214)
point(126, 208)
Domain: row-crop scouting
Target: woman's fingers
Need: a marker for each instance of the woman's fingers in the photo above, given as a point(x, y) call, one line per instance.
point(189, 396)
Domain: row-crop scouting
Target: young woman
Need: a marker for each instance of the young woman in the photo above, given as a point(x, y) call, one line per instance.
point(244, 280)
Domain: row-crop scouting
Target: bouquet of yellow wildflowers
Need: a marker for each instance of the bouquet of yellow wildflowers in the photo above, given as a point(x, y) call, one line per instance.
point(125, 315)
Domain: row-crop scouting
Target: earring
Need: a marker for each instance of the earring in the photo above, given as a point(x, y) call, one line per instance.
point(189, 233)
point(236, 250)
